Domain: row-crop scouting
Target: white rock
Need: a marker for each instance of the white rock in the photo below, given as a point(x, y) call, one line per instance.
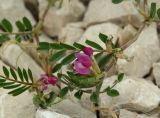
point(137, 93)
point(126, 34)
point(15, 56)
point(104, 10)
point(156, 73)
point(73, 109)
point(44, 38)
point(71, 33)
point(57, 18)
point(92, 33)
point(145, 51)
point(17, 107)
point(127, 114)
point(49, 114)
point(14, 10)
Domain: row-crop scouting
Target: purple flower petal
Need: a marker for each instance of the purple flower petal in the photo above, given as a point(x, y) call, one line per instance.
point(88, 51)
point(81, 69)
point(84, 59)
point(52, 80)
point(45, 87)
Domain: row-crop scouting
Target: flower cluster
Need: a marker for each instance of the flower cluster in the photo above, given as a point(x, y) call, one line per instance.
point(83, 63)
point(48, 80)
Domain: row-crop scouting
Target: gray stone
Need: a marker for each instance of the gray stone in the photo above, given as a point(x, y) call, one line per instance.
point(14, 10)
point(156, 73)
point(128, 114)
point(126, 34)
point(144, 51)
point(16, 57)
point(49, 114)
point(104, 10)
point(17, 107)
point(72, 109)
point(71, 33)
point(136, 93)
point(57, 18)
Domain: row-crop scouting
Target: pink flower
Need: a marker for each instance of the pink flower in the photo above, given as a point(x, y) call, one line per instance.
point(48, 80)
point(81, 69)
point(83, 63)
point(84, 59)
point(88, 51)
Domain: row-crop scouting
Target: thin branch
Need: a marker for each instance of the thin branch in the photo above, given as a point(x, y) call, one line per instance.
point(17, 81)
point(126, 45)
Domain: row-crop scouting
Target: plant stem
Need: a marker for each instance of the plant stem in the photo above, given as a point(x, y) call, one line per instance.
point(20, 82)
point(98, 87)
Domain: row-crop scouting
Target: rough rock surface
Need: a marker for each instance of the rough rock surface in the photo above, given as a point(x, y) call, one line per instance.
point(156, 73)
point(73, 109)
point(133, 95)
point(14, 10)
point(92, 33)
point(17, 107)
point(69, 12)
point(126, 34)
point(16, 57)
point(133, 92)
point(105, 10)
point(127, 114)
point(49, 114)
point(71, 33)
point(144, 51)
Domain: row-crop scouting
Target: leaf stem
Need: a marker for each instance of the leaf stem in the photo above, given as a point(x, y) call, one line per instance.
point(20, 82)
point(16, 33)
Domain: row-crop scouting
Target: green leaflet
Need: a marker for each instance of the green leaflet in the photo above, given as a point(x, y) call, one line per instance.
point(5, 71)
point(78, 94)
point(103, 37)
point(7, 26)
point(94, 97)
point(57, 55)
point(68, 59)
point(63, 92)
point(13, 74)
point(20, 26)
point(93, 44)
point(19, 90)
point(25, 75)
point(78, 45)
point(117, 1)
point(27, 23)
point(153, 10)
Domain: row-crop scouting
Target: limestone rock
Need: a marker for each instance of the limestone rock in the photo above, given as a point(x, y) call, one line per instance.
point(16, 57)
point(132, 93)
point(49, 114)
point(156, 73)
point(72, 109)
point(144, 51)
point(57, 18)
point(105, 11)
point(14, 10)
point(71, 33)
point(17, 107)
point(135, 93)
point(126, 34)
point(92, 33)
point(127, 114)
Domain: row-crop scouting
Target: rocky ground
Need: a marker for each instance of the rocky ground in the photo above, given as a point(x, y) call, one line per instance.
point(75, 22)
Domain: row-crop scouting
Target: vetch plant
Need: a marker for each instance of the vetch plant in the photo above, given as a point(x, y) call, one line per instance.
point(85, 64)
